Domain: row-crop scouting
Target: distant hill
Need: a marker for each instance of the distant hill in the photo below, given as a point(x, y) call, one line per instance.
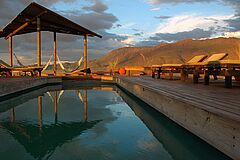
point(168, 52)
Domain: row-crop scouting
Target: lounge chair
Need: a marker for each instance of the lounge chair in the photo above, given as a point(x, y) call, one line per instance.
point(226, 68)
point(134, 70)
point(175, 68)
point(7, 71)
point(34, 71)
point(199, 67)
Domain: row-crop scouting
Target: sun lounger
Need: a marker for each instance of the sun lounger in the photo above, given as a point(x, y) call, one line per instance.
point(5, 72)
point(175, 68)
point(135, 70)
point(197, 68)
point(226, 68)
point(34, 71)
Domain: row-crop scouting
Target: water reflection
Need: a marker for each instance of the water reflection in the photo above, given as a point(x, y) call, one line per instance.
point(42, 143)
point(91, 124)
point(40, 112)
point(181, 144)
point(12, 115)
point(41, 140)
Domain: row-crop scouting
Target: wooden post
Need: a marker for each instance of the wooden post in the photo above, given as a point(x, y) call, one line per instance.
point(39, 42)
point(153, 72)
point(40, 111)
point(171, 74)
point(55, 53)
point(195, 76)
point(183, 75)
point(85, 52)
point(11, 51)
point(228, 79)
point(159, 73)
point(206, 77)
point(128, 73)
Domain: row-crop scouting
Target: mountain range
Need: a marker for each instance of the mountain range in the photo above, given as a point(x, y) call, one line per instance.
point(178, 52)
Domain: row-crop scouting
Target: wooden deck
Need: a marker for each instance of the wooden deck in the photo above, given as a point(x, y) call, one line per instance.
point(210, 112)
point(214, 98)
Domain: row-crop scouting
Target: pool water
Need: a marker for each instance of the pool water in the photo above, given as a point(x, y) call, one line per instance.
point(93, 124)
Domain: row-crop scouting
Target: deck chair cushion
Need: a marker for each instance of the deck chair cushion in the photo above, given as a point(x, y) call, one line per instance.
point(217, 57)
point(198, 58)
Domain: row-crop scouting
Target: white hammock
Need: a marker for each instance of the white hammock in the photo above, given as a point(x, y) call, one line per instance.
point(63, 68)
point(18, 61)
point(49, 94)
point(47, 64)
point(59, 96)
point(80, 96)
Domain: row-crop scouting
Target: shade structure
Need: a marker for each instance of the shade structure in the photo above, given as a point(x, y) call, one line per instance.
point(36, 18)
point(26, 22)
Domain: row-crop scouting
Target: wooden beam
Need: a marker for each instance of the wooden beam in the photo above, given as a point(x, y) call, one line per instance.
point(24, 25)
point(17, 30)
point(85, 52)
point(55, 53)
point(11, 51)
point(39, 41)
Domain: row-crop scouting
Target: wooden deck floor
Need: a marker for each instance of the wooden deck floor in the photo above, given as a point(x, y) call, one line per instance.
point(214, 98)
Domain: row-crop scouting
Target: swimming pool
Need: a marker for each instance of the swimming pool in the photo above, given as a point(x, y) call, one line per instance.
point(101, 122)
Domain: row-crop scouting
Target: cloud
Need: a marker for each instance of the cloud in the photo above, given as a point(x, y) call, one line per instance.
point(147, 43)
point(163, 17)
point(232, 34)
point(233, 23)
point(94, 17)
point(159, 2)
point(172, 37)
point(155, 9)
point(98, 7)
point(189, 22)
point(138, 34)
point(190, 26)
point(129, 41)
point(94, 21)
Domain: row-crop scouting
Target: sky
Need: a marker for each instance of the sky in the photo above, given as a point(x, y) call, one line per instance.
point(123, 23)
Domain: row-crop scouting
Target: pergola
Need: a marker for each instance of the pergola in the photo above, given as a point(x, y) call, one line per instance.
point(36, 18)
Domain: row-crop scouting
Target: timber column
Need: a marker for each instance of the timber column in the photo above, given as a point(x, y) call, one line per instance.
point(11, 51)
point(85, 53)
point(55, 53)
point(39, 42)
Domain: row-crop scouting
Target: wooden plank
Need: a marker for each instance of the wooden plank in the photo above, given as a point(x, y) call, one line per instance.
point(210, 112)
point(217, 99)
